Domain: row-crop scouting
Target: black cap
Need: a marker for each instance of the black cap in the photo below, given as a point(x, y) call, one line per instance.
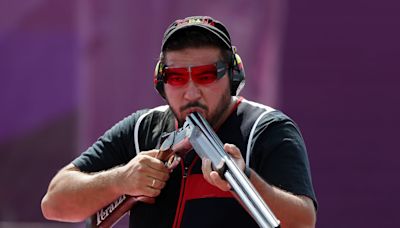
point(205, 22)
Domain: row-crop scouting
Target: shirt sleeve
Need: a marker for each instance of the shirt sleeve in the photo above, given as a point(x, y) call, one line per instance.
point(115, 147)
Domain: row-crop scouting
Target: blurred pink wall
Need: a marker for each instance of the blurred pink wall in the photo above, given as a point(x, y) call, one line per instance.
point(70, 69)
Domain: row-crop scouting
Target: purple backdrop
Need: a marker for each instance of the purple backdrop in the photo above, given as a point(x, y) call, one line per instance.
point(69, 70)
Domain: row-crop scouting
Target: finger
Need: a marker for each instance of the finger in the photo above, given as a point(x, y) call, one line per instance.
point(219, 182)
point(152, 192)
point(147, 189)
point(160, 176)
point(213, 177)
point(173, 162)
point(206, 169)
point(235, 153)
point(144, 188)
point(154, 163)
point(149, 169)
point(156, 184)
point(232, 150)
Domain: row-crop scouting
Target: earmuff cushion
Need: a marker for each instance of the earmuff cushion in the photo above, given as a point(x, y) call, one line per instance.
point(237, 74)
point(158, 79)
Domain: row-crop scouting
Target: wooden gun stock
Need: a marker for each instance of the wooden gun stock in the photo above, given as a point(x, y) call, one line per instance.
point(175, 144)
point(112, 213)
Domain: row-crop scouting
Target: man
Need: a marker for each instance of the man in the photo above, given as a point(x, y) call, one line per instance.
point(198, 71)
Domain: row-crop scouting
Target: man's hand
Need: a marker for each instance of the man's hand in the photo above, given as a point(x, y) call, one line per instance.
point(144, 175)
point(213, 177)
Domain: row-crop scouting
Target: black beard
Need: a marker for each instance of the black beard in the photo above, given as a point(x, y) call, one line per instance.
point(214, 117)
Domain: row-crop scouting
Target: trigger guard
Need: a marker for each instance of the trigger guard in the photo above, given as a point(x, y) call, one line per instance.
point(172, 162)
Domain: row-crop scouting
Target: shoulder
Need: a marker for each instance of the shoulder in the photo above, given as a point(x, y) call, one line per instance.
point(267, 125)
point(128, 123)
point(158, 112)
point(154, 116)
point(256, 113)
point(270, 127)
point(251, 105)
point(151, 125)
point(141, 114)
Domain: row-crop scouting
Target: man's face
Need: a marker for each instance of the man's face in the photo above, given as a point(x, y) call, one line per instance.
point(212, 100)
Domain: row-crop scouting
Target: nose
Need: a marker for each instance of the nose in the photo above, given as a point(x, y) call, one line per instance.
point(192, 92)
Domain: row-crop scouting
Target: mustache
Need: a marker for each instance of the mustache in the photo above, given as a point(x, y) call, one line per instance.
point(195, 104)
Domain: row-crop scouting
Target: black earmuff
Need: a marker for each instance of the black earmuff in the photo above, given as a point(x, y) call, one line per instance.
point(236, 73)
point(159, 78)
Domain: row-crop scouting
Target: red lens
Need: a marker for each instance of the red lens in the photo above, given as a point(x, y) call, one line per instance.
point(202, 75)
point(176, 76)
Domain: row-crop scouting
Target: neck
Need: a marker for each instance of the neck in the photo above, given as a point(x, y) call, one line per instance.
point(227, 113)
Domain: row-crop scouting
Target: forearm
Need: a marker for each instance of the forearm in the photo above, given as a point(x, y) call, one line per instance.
point(73, 196)
point(291, 210)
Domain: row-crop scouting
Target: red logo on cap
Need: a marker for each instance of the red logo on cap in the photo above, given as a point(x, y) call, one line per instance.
point(193, 21)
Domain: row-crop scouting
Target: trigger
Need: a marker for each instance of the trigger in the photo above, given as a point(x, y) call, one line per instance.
point(172, 162)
